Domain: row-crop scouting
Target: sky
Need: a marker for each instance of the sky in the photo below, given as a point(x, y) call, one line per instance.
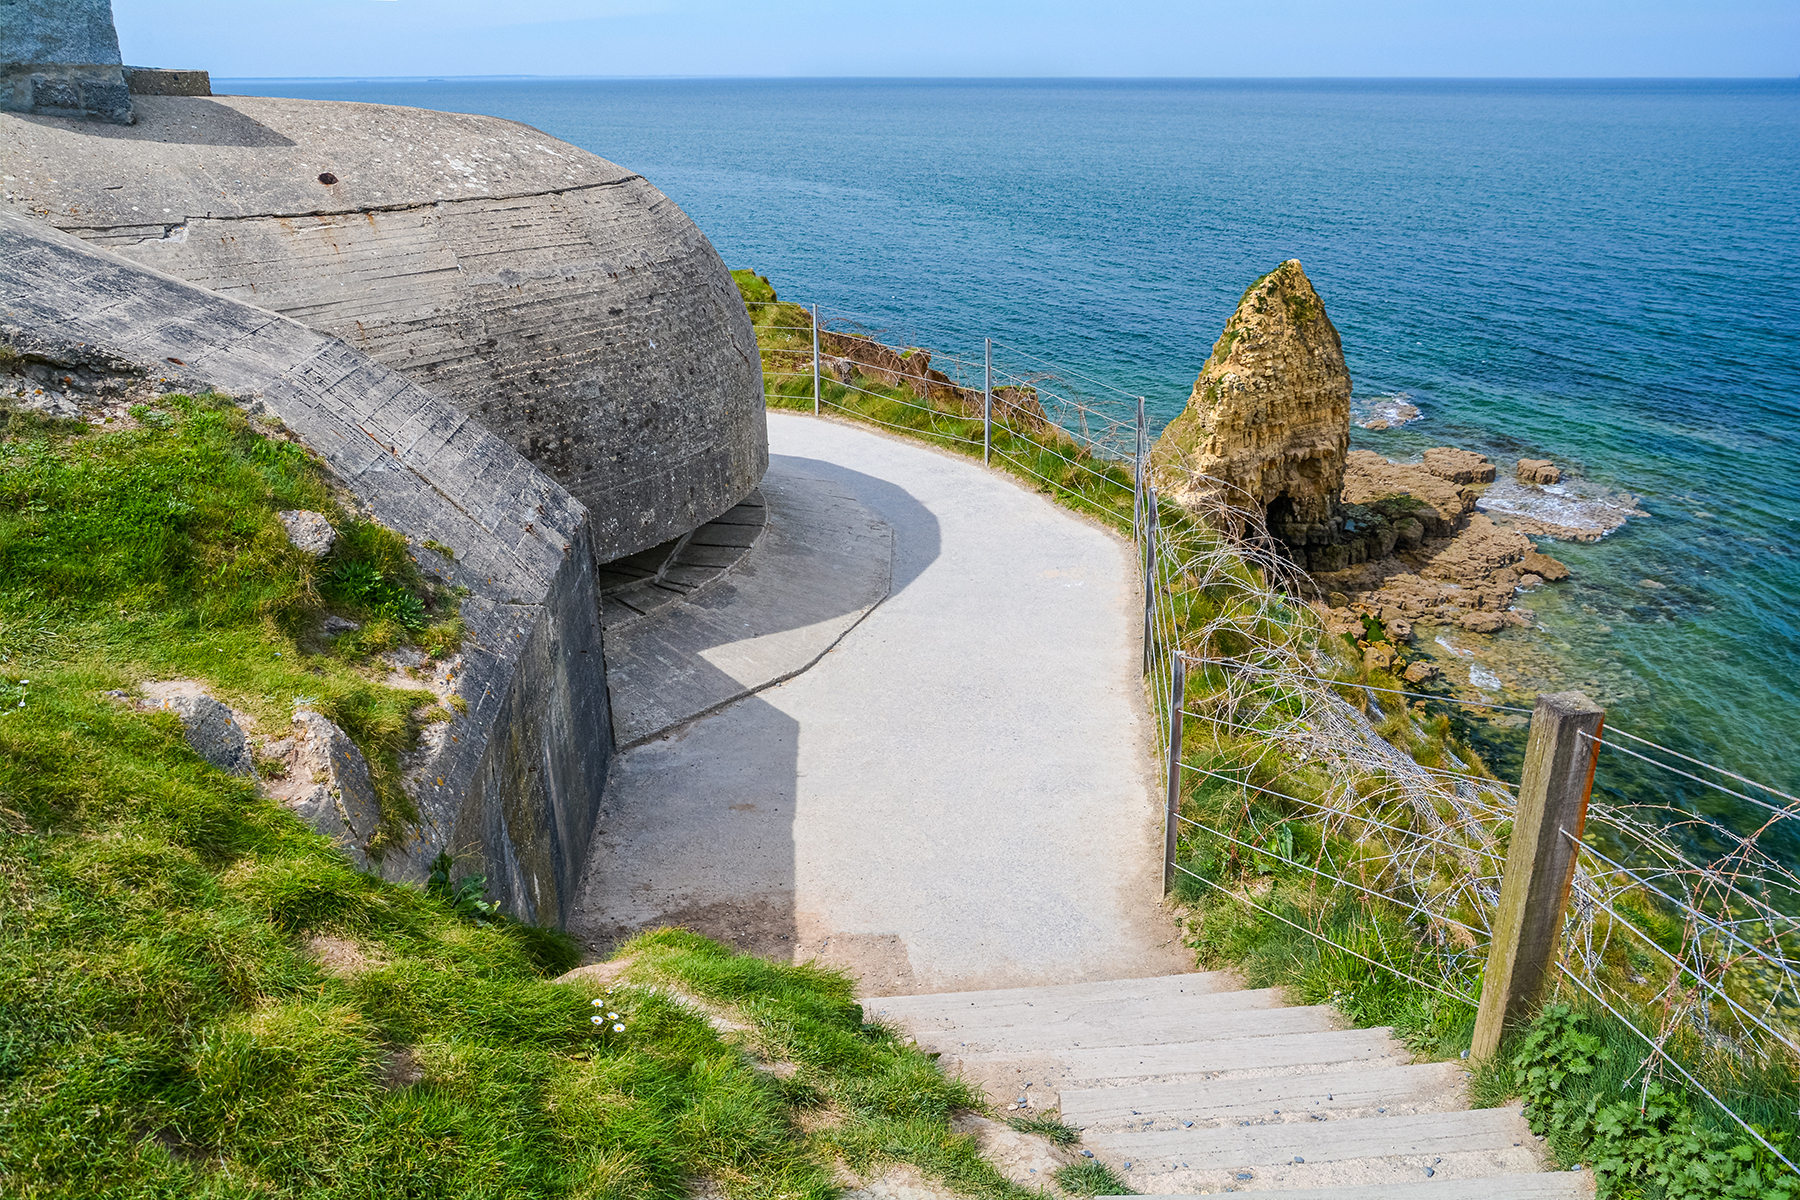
point(987, 38)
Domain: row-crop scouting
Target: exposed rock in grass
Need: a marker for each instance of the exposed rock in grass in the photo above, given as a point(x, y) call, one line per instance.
point(1024, 1158)
point(310, 532)
point(327, 784)
point(215, 731)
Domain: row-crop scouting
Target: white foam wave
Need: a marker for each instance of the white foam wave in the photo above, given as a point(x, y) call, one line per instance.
point(1384, 412)
point(1574, 510)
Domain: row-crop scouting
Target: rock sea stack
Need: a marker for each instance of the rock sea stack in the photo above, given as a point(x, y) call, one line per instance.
point(1266, 435)
point(1268, 423)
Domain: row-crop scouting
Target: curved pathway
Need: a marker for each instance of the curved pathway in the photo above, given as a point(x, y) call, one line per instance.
point(958, 795)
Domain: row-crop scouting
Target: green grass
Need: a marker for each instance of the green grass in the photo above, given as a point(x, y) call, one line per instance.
point(1051, 1127)
point(1091, 1177)
point(154, 552)
point(1581, 1076)
point(169, 1025)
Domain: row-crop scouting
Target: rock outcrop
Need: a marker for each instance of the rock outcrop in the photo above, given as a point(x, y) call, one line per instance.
point(214, 731)
point(326, 782)
point(1268, 423)
point(1540, 471)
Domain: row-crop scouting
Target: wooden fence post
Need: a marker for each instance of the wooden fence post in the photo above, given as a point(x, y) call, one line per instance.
point(1150, 582)
point(1177, 699)
point(1540, 862)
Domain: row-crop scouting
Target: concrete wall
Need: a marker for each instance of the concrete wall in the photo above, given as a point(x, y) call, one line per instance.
point(61, 58)
point(524, 770)
point(557, 297)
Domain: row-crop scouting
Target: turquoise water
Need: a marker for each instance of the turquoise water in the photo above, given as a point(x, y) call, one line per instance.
point(1599, 273)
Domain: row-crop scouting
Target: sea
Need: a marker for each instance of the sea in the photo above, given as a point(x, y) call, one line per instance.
point(1599, 273)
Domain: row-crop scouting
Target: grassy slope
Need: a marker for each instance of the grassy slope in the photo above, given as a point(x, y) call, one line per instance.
point(166, 1026)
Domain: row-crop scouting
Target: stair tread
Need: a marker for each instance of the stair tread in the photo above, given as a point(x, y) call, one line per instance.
point(1272, 1052)
point(1057, 1013)
point(1150, 1027)
point(1237, 1146)
point(1537, 1185)
point(1153, 987)
point(1334, 1091)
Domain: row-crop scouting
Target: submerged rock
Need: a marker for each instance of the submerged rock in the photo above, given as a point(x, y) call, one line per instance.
point(1268, 423)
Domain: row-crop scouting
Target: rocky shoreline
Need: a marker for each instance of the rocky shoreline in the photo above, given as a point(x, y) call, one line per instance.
point(1385, 546)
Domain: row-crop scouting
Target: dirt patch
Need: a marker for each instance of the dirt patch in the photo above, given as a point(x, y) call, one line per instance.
point(340, 956)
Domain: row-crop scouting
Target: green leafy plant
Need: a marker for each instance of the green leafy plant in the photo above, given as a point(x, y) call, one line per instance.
point(1651, 1141)
point(467, 897)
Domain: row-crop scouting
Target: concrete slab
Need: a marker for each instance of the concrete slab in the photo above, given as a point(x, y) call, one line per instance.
point(1131, 1030)
point(1401, 1090)
point(1251, 1144)
point(1109, 991)
point(1459, 1145)
point(1557, 1185)
point(1089, 1023)
point(1278, 1051)
point(959, 795)
point(823, 562)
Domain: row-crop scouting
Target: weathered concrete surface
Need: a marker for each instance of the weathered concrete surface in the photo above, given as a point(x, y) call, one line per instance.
point(558, 298)
point(823, 563)
point(1185, 1087)
point(958, 794)
point(61, 58)
point(161, 81)
point(522, 771)
point(639, 584)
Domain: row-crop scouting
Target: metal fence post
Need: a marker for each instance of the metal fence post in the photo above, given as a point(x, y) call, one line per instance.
point(1540, 862)
point(815, 331)
point(1177, 698)
point(987, 406)
point(1137, 469)
point(1149, 576)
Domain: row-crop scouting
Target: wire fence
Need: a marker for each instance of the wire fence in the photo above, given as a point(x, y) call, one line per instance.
point(1276, 757)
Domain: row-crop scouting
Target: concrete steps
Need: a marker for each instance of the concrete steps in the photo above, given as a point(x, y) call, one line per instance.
point(1187, 1085)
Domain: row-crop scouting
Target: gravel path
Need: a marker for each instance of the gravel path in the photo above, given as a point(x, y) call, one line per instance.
point(959, 795)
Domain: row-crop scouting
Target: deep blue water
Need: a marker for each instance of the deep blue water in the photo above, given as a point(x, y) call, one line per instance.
point(1599, 273)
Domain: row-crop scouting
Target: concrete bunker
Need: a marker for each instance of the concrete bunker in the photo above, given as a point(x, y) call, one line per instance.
point(557, 298)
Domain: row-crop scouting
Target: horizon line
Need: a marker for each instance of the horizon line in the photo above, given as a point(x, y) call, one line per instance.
point(443, 78)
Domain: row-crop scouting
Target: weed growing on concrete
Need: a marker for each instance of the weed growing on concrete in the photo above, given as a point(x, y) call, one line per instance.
point(1050, 1127)
point(1091, 1177)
